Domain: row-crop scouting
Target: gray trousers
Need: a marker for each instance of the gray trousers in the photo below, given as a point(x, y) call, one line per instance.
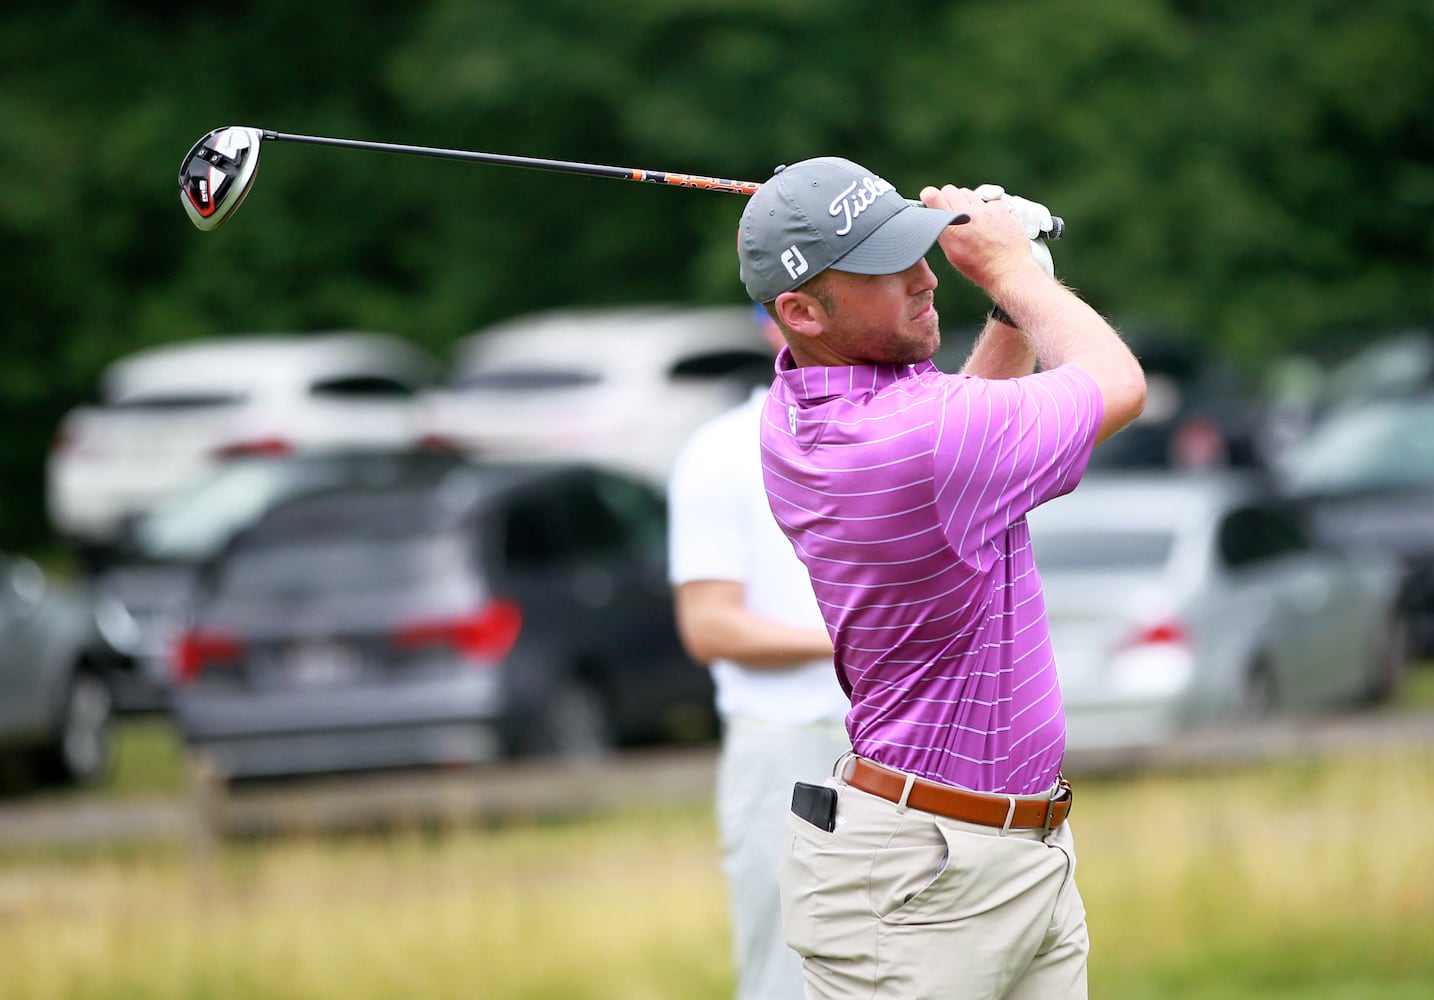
point(759, 763)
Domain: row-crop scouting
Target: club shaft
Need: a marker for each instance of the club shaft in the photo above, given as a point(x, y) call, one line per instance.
point(530, 162)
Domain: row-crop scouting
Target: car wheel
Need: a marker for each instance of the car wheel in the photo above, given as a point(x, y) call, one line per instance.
point(80, 750)
point(575, 724)
point(1258, 693)
point(1389, 662)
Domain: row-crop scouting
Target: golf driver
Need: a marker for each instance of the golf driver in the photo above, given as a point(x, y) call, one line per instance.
point(219, 170)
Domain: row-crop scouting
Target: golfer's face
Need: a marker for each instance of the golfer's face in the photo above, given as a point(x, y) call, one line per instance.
point(884, 318)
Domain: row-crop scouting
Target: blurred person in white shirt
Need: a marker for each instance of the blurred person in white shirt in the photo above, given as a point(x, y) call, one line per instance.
point(745, 607)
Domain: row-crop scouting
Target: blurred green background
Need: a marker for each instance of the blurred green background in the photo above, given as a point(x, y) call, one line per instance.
point(1257, 176)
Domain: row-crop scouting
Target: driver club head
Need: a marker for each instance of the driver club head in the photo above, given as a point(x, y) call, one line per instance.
point(217, 173)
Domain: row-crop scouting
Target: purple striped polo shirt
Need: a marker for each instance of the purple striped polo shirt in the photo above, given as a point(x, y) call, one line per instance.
point(905, 491)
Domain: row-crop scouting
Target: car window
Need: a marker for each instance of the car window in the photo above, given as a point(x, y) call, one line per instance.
point(720, 364)
point(528, 379)
point(195, 524)
point(361, 386)
point(178, 400)
point(569, 521)
point(530, 540)
point(1371, 448)
point(344, 564)
point(1102, 551)
point(1251, 535)
point(641, 512)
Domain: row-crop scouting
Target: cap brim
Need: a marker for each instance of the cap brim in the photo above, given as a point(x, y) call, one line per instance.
point(897, 243)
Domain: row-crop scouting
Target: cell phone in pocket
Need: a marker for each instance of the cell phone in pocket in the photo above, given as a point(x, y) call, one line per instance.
point(817, 804)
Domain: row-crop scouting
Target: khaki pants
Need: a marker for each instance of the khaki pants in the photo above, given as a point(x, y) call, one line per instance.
point(906, 904)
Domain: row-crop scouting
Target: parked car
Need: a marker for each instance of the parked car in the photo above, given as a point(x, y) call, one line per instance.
point(167, 415)
point(1366, 473)
point(54, 702)
point(144, 594)
point(621, 386)
point(1199, 413)
point(1180, 600)
point(1389, 363)
point(503, 610)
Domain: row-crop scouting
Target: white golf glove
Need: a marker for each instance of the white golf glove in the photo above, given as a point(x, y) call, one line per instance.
point(1032, 215)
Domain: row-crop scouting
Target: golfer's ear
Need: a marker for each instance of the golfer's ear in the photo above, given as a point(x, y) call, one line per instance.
point(801, 313)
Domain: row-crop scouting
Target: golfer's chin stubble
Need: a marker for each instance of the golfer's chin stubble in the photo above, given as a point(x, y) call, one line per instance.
point(915, 341)
point(920, 342)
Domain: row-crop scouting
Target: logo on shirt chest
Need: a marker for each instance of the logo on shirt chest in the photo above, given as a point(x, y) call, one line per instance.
point(792, 418)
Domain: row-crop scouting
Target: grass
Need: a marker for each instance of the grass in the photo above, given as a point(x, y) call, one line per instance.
point(1304, 879)
point(621, 907)
point(1297, 880)
point(148, 758)
point(1418, 690)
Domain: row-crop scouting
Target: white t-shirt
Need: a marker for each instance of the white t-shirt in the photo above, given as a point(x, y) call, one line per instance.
point(721, 528)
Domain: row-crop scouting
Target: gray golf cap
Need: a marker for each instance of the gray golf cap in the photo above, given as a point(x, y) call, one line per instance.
point(829, 212)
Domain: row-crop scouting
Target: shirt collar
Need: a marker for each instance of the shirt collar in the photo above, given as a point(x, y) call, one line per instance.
point(814, 382)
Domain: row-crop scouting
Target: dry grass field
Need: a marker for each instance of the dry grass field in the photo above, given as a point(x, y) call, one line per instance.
point(1300, 879)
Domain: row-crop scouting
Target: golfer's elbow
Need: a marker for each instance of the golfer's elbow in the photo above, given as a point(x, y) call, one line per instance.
point(1123, 389)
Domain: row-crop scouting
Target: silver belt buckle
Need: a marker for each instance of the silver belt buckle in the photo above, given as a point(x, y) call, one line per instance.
point(1061, 789)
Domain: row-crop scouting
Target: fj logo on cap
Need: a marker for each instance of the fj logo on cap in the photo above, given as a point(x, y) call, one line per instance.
point(794, 262)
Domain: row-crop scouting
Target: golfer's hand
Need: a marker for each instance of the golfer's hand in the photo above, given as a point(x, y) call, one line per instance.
point(1032, 215)
point(990, 248)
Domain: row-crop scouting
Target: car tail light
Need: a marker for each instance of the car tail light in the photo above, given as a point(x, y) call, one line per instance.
point(440, 443)
point(486, 634)
point(1165, 632)
point(257, 446)
point(197, 650)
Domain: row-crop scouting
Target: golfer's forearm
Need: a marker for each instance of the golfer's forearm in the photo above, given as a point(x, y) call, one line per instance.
point(1000, 352)
point(1064, 330)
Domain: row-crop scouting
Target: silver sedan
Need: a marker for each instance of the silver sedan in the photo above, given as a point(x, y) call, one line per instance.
point(1182, 600)
point(54, 701)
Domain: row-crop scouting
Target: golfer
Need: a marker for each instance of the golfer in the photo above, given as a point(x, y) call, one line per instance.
point(937, 860)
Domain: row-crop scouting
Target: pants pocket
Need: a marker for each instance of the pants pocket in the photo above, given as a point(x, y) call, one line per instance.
point(801, 881)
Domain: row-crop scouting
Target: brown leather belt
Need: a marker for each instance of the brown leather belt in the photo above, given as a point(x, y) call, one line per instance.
point(983, 808)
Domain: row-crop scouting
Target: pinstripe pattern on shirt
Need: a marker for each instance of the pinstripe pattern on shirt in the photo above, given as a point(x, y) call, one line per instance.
point(904, 491)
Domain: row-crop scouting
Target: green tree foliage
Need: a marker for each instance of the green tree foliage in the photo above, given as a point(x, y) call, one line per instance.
point(1260, 176)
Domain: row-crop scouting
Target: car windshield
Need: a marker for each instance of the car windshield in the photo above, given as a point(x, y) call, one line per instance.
point(1375, 447)
point(1101, 551)
point(195, 524)
point(344, 565)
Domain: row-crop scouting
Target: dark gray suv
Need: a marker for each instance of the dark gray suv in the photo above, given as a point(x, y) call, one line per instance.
point(496, 610)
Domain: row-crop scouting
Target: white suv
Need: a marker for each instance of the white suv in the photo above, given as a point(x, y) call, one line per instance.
point(619, 386)
point(167, 415)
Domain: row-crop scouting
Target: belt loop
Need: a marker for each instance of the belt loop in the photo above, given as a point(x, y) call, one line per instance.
point(839, 768)
point(1010, 815)
point(905, 793)
point(1057, 790)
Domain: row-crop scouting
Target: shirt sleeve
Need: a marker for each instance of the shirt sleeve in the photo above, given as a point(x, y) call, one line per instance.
point(1005, 446)
point(707, 535)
